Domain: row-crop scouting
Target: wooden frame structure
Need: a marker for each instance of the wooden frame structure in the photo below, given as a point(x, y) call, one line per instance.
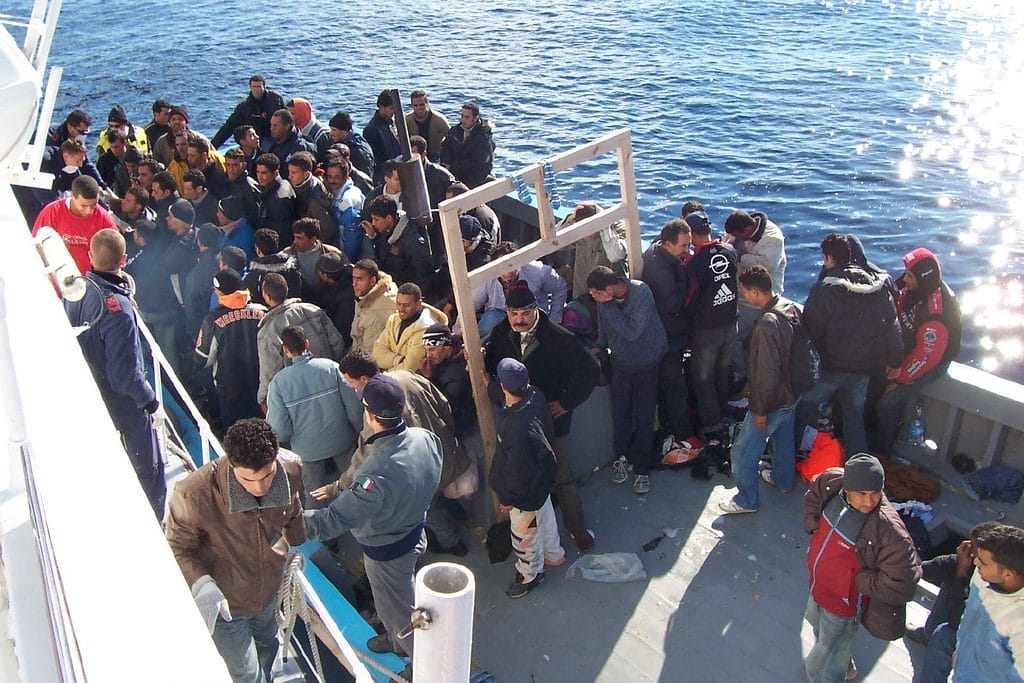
point(551, 239)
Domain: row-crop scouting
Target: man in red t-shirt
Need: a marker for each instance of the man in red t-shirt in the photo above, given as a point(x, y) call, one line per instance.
point(77, 218)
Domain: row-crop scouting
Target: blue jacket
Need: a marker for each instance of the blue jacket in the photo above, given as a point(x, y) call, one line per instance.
point(386, 504)
point(291, 144)
point(111, 345)
point(311, 408)
point(632, 329)
point(990, 640)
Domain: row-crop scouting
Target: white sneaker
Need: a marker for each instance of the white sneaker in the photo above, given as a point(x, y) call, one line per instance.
point(642, 484)
point(731, 507)
point(621, 470)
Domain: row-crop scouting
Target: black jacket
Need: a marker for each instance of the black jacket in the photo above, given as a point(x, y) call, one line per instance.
point(665, 275)
point(712, 289)
point(198, 288)
point(559, 365)
point(338, 301)
point(452, 378)
point(251, 112)
point(406, 258)
point(277, 210)
point(227, 343)
point(851, 318)
point(292, 143)
point(273, 263)
point(313, 200)
point(469, 154)
point(523, 469)
point(384, 143)
point(248, 190)
point(361, 155)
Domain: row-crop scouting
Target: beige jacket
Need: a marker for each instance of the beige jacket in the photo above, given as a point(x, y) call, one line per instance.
point(402, 349)
point(372, 313)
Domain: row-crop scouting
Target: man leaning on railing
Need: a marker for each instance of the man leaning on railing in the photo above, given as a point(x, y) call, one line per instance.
point(229, 525)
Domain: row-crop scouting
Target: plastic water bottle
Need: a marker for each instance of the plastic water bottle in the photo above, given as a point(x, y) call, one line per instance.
point(916, 429)
point(825, 417)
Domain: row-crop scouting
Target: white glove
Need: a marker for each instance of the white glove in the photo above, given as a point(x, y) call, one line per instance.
point(159, 418)
point(211, 601)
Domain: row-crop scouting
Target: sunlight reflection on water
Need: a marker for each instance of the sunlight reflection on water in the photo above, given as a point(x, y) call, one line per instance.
point(976, 137)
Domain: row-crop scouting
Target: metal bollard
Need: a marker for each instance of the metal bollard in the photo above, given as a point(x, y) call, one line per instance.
point(444, 642)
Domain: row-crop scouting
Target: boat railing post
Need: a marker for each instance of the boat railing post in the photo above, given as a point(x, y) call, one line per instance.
point(443, 623)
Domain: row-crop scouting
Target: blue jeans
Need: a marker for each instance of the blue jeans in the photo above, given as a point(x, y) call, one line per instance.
point(833, 641)
point(850, 390)
point(891, 409)
point(488, 321)
point(248, 645)
point(634, 402)
point(938, 659)
point(749, 446)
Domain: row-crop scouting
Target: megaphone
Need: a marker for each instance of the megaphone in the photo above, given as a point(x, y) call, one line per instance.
point(59, 265)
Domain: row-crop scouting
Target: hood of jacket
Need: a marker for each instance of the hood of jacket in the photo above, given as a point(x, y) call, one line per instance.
point(384, 283)
point(854, 279)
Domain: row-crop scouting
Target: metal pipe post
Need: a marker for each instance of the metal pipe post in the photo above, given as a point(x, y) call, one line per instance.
point(444, 646)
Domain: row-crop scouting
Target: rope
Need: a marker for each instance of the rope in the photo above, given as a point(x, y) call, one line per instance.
point(367, 659)
point(293, 604)
point(549, 186)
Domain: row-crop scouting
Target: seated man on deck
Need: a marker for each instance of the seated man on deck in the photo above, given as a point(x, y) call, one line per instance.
point(229, 525)
point(930, 324)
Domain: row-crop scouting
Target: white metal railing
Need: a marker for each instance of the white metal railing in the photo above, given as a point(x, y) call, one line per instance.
point(211, 446)
point(65, 644)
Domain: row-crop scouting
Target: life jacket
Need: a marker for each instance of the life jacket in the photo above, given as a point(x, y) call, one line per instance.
point(826, 452)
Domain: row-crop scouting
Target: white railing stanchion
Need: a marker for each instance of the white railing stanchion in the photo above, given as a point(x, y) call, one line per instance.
point(444, 644)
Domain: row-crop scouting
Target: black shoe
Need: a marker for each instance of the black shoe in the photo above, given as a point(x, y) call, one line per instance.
point(458, 550)
point(518, 589)
point(380, 644)
point(918, 635)
point(407, 672)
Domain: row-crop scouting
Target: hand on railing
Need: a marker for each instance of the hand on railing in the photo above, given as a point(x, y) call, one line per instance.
point(159, 418)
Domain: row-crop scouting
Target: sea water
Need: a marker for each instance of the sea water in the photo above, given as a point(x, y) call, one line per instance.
point(895, 120)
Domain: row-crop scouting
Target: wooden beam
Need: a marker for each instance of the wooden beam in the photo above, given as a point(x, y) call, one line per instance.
point(627, 185)
point(551, 240)
point(560, 162)
point(533, 251)
point(471, 338)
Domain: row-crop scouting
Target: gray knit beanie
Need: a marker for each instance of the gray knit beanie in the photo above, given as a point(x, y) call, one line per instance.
point(863, 472)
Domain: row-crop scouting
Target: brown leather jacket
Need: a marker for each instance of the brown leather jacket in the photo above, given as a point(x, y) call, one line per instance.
point(216, 527)
point(891, 567)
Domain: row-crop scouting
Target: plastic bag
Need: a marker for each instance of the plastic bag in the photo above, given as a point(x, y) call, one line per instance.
point(609, 568)
point(465, 485)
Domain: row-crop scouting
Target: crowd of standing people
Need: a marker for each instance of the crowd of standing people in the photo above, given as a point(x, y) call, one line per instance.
point(314, 323)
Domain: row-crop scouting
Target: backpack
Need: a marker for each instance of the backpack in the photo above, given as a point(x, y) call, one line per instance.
point(804, 364)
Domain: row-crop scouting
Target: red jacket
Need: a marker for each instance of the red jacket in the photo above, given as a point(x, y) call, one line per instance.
point(889, 566)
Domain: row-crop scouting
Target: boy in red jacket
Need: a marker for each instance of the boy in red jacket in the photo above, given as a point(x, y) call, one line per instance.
point(862, 562)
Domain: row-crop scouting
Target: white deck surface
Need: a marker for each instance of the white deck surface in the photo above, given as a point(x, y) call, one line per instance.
point(723, 602)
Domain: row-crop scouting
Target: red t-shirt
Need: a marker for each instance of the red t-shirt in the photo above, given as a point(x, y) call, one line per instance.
point(75, 230)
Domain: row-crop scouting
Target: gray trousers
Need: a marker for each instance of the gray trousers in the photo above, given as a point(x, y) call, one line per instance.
point(393, 586)
point(317, 473)
point(569, 501)
point(441, 522)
